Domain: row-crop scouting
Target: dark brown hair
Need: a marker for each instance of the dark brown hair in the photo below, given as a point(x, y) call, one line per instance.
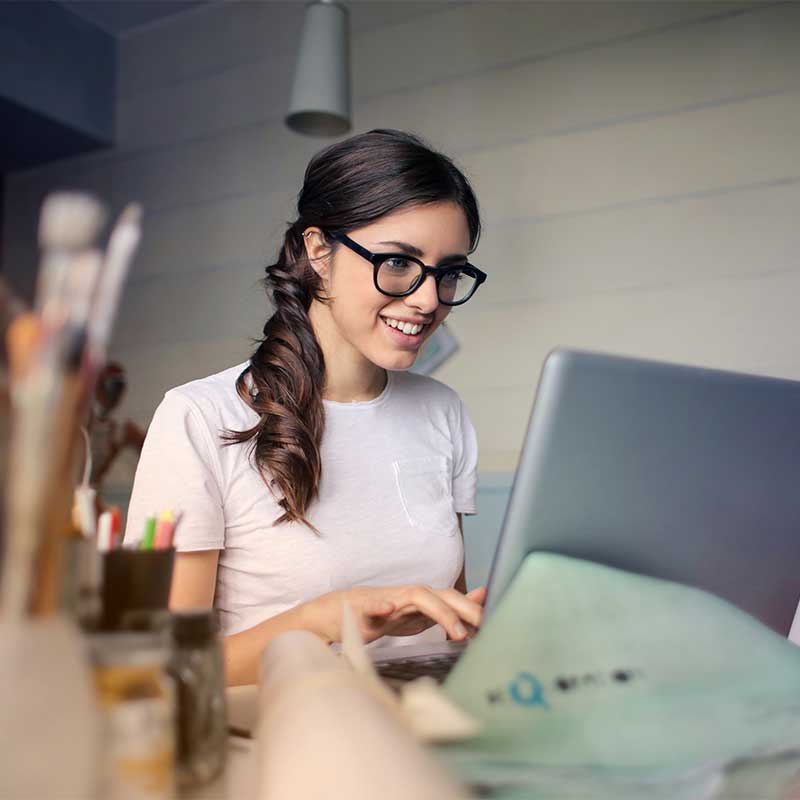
point(347, 186)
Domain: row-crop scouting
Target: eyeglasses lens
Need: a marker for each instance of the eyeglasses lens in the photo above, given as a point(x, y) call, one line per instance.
point(397, 275)
point(456, 285)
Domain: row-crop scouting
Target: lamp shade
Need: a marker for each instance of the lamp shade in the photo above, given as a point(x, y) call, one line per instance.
point(320, 102)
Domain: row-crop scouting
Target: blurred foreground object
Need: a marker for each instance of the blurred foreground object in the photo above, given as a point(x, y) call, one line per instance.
point(55, 355)
point(48, 712)
point(199, 672)
point(12, 309)
point(597, 682)
point(323, 733)
point(137, 705)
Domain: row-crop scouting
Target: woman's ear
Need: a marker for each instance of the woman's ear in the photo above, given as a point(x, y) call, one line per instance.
point(317, 250)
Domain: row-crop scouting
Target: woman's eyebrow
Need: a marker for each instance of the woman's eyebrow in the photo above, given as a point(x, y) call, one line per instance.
point(415, 251)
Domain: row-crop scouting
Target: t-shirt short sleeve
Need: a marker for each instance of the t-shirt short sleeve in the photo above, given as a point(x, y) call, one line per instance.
point(179, 470)
point(465, 464)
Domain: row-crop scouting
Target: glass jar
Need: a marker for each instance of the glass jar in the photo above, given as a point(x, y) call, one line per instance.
point(137, 702)
point(198, 670)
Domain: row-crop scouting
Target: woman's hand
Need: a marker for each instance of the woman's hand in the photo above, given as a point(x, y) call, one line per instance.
point(402, 611)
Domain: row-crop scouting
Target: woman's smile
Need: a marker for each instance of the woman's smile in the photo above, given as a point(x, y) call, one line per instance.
point(404, 334)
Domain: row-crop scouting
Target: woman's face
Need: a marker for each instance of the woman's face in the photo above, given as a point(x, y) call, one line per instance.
point(359, 313)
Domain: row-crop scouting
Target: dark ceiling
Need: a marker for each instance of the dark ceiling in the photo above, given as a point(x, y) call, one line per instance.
point(121, 17)
point(52, 55)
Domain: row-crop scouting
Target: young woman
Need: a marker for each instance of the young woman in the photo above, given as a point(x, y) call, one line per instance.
point(321, 466)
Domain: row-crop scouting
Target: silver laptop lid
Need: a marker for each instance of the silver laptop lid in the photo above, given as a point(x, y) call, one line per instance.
point(687, 474)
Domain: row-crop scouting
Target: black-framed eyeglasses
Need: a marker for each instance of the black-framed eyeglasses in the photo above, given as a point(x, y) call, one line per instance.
point(399, 274)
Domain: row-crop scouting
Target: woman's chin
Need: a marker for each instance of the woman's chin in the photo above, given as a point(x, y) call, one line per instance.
point(398, 360)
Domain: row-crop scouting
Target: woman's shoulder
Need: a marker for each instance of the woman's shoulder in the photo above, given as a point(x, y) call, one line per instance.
point(418, 387)
point(214, 397)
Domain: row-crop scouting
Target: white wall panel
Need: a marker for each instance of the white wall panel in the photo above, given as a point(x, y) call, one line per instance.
point(463, 41)
point(243, 231)
point(240, 96)
point(25, 193)
point(730, 145)
point(210, 40)
point(152, 371)
point(247, 161)
point(216, 304)
point(744, 323)
point(500, 424)
point(660, 244)
point(682, 67)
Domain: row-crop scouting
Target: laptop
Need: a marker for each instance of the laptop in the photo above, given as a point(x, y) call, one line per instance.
point(687, 474)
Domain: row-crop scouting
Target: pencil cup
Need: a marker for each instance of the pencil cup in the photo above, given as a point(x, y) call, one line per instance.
point(134, 580)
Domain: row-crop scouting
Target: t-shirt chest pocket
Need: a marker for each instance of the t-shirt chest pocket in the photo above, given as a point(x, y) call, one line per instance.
point(424, 485)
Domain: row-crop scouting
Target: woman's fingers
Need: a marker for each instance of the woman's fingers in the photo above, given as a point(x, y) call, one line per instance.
point(460, 615)
point(371, 602)
point(429, 602)
point(378, 607)
point(478, 595)
point(468, 609)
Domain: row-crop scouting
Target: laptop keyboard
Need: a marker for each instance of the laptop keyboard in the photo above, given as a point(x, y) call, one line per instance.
point(406, 669)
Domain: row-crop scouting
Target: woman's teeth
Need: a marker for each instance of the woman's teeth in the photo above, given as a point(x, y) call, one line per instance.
point(404, 327)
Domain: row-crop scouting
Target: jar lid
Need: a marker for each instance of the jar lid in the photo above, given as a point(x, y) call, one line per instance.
point(194, 626)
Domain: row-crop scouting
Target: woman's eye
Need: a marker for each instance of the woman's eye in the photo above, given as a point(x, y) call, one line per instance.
point(453, 277)
point(398, 264)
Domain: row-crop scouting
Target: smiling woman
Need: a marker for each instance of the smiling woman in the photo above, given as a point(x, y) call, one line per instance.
point(322, 466)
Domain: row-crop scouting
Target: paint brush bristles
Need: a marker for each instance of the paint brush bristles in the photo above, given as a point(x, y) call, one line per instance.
point(70, 221)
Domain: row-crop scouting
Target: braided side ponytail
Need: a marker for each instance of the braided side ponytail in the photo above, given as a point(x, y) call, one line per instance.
point(287, 373)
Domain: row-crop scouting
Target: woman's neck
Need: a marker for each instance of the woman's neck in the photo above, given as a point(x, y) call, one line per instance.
point(354, 388)
point(349, 377)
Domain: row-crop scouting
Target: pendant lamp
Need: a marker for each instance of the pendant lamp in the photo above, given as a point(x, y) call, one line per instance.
point(320, 101)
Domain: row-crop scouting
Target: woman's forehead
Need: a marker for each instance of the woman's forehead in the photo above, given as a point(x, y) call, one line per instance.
point(435, 228)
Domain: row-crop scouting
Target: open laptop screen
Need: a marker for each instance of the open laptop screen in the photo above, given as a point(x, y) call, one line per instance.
point(687, 474)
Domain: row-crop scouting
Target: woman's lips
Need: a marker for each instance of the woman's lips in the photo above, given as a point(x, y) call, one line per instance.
point(404, 339)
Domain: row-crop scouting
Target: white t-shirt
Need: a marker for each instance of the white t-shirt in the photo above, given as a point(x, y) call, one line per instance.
point(395, 471)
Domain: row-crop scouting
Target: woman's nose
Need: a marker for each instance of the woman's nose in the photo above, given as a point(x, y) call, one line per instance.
point(425, 297)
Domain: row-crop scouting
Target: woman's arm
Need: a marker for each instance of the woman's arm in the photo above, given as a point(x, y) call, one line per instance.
point(194, 578)
point(379, 611)
point(461, 581)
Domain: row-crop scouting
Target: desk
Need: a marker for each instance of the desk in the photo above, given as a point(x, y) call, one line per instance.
point(240, 779)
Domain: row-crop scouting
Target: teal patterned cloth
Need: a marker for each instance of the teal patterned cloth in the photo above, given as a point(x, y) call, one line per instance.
point(592, 682)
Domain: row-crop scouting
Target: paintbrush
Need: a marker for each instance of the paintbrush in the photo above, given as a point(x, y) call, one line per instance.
point(122, 245)
point(44, 396)
point(91, 326)
point(12, 308)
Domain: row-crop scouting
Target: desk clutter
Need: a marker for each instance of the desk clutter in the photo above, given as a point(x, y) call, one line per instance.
point(103, 692)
